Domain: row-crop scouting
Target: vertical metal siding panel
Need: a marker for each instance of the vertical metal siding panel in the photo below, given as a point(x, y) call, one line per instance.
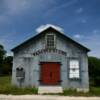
point(85, 77)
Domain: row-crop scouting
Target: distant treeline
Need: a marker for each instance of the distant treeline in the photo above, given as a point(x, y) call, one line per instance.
point(94, 71)
point(94, 67)
point(5, 62)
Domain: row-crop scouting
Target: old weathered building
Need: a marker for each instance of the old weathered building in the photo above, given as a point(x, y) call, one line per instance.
point(51, 58)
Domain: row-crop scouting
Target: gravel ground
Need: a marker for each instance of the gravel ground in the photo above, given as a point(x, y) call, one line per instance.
point(42, 97)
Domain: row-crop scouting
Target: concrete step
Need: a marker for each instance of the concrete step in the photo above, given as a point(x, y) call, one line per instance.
point(50, 89)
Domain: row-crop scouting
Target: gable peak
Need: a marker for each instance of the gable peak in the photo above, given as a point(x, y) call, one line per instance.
point(47, 26)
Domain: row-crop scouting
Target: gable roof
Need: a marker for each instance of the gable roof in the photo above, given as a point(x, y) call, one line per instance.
point(50, 28)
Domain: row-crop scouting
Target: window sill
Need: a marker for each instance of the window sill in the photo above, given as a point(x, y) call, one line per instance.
point(74, 79)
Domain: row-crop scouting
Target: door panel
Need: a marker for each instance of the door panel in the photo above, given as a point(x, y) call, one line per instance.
point(50, 73)
point(55, 73)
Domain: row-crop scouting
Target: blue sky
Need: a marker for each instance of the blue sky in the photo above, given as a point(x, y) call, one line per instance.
point(80, 20)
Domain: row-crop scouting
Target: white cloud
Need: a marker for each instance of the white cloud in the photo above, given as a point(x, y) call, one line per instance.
point(80, 10)
point(77, 36)
point(14, 7)
point(43, 27)
point(92, 41)
point(54, 9)
point(96, 31)
point(2, 41)
point(10, 9)
point(83, 20)
point(9, 53)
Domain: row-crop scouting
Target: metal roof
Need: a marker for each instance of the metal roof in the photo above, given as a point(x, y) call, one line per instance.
point(54, 30)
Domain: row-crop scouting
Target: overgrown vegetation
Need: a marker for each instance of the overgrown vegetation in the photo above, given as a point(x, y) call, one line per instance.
point(94, 91)
point(5, 62)
point(7, 88)
point(94, 71)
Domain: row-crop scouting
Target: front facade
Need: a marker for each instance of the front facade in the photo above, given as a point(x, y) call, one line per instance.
point(50, 59)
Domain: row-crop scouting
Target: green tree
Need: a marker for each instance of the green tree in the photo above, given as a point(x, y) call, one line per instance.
point(2, 56)
point(94, 71)
point(5, 62)
point(7, 65)
point(2, 53)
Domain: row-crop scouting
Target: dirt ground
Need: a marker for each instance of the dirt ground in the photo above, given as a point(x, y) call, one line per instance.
point(42, 97)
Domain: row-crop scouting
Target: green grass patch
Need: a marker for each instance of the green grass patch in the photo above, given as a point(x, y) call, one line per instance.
point(75, 93)
point(7, 88)
point(94, 91)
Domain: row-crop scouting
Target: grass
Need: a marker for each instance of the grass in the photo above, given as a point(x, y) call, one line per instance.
point(94, 91)
point(7, 88)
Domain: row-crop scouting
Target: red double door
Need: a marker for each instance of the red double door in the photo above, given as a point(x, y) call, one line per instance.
point(50, 73)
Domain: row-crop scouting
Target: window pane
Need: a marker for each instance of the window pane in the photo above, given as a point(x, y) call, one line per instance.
point(74, 69)
point(76, 75)
point(50, 40)
point(74, 64)
point(71, 76)
point(20, 72)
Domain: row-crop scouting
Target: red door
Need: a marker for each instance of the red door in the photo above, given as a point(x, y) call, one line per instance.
point(50, 73)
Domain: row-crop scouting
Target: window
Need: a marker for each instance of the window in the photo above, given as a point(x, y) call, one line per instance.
point(74, 69)
point(50, 41)
point(20, 72)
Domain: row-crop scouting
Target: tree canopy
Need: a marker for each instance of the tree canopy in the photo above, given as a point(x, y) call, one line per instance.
point(2, 53)
point(94, 71)
point(5, 61)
